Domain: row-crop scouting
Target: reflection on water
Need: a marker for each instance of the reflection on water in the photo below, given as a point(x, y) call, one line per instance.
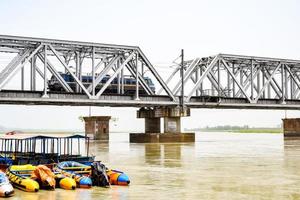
point(216, 166)
point(168, 155)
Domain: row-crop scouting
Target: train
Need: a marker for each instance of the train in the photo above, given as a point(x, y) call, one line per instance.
point(129, 84)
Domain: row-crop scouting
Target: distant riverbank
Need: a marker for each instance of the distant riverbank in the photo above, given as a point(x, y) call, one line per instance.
point(238, 130)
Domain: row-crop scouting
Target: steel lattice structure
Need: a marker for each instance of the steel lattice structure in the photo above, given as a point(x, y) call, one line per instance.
point(221, 81)
point(239, 81)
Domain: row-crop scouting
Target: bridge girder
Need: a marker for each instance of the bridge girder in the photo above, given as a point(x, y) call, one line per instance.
point(220, 81)
point(97, 59)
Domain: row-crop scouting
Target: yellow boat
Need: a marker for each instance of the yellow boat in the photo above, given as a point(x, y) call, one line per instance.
point(18, 178)
point(41, 174)
point(64, 182)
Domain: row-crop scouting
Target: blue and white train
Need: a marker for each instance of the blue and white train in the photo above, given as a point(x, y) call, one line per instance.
point(129, 84)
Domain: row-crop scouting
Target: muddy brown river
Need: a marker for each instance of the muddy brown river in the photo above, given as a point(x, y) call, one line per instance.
point(216, 166)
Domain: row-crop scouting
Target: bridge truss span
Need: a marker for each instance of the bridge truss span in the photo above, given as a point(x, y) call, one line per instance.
point(94, 68)
point(237, 80)
point(39, 71)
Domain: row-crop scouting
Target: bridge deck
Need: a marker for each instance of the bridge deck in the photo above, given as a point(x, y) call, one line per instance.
point(61, 99)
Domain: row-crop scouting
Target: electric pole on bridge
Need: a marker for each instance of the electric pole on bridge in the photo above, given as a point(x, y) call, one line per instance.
point(182, 79)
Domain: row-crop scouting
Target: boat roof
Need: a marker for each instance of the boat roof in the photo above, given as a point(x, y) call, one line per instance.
point(25, 136)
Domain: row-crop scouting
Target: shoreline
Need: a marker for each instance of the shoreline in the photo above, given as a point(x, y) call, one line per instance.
point(250, 130)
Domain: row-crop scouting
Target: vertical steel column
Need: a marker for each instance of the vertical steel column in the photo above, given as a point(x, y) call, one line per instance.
point(45, 95)
point(258, 79)
point(119, 78)
point(283, 82)
point(182, 78)
point(228, 84)
point(201, 85)
point(292, 87)
point(33, 73)
point(241, 76)
point(233, 82)
point(137, 77)
point(122, 78)
point(263, 81)
point(22, 78)
point(269, 90)
point(286, 82)
point(197, 78)
point(77, 69)
point(93, 72)
point(80, 70)
point(219, 91)
point(251, 79)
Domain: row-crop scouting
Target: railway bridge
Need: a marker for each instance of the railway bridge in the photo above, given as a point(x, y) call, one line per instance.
point(29, 65)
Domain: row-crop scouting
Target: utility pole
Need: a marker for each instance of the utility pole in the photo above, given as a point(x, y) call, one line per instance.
point(182, 79)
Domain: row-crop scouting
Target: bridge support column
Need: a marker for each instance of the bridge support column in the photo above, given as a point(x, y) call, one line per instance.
point(291, 128)
point(97, 127)
point(172, 125)
point(152, 125)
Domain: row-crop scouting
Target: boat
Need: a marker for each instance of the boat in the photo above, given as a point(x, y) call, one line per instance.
point(117, 177)
point(20, 180)
point(98, 174)
point(76, 171)
point(21, 149)
point(43, 175)
point(6, 189)
point(64, 182)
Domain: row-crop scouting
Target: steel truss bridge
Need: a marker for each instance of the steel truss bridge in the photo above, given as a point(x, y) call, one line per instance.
point(220, 81)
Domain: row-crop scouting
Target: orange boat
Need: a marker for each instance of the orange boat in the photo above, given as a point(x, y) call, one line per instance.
point(117, 177)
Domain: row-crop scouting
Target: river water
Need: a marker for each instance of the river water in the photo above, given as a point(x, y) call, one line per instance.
point(216, 166)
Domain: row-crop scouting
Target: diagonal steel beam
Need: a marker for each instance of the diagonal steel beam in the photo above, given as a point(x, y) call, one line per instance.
point(236, 81)
point(213, 82)
point(247, 83)
point(205, 73)
point(156, 74)
point(39, 72)
point(141, 79)
point(187, 74)
point(52, 69)
point(104, 72)
point(267, 83)
point(294, 78)
point(114, 75)
point(169, 79)
point(273, 83)
point(17, 58)
point(70, 71)
point(17, 66)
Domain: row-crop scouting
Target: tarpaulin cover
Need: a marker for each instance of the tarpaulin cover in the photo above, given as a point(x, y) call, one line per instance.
point(44, 174)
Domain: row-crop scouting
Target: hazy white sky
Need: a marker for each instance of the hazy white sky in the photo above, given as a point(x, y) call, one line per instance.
point(161, 29)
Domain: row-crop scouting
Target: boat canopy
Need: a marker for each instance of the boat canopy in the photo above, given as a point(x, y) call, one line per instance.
point(43, 146)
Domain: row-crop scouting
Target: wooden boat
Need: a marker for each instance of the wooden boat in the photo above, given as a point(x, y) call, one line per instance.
point(6, 189)
point(20, 180)
point(75, 170)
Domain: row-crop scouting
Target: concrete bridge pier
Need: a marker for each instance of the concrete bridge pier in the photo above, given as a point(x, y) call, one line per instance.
point(291, 128)
point(97, 127)
point(172, 125)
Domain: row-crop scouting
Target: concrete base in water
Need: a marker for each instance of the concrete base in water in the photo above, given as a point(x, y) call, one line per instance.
point(161, 137)
point(291, 128)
